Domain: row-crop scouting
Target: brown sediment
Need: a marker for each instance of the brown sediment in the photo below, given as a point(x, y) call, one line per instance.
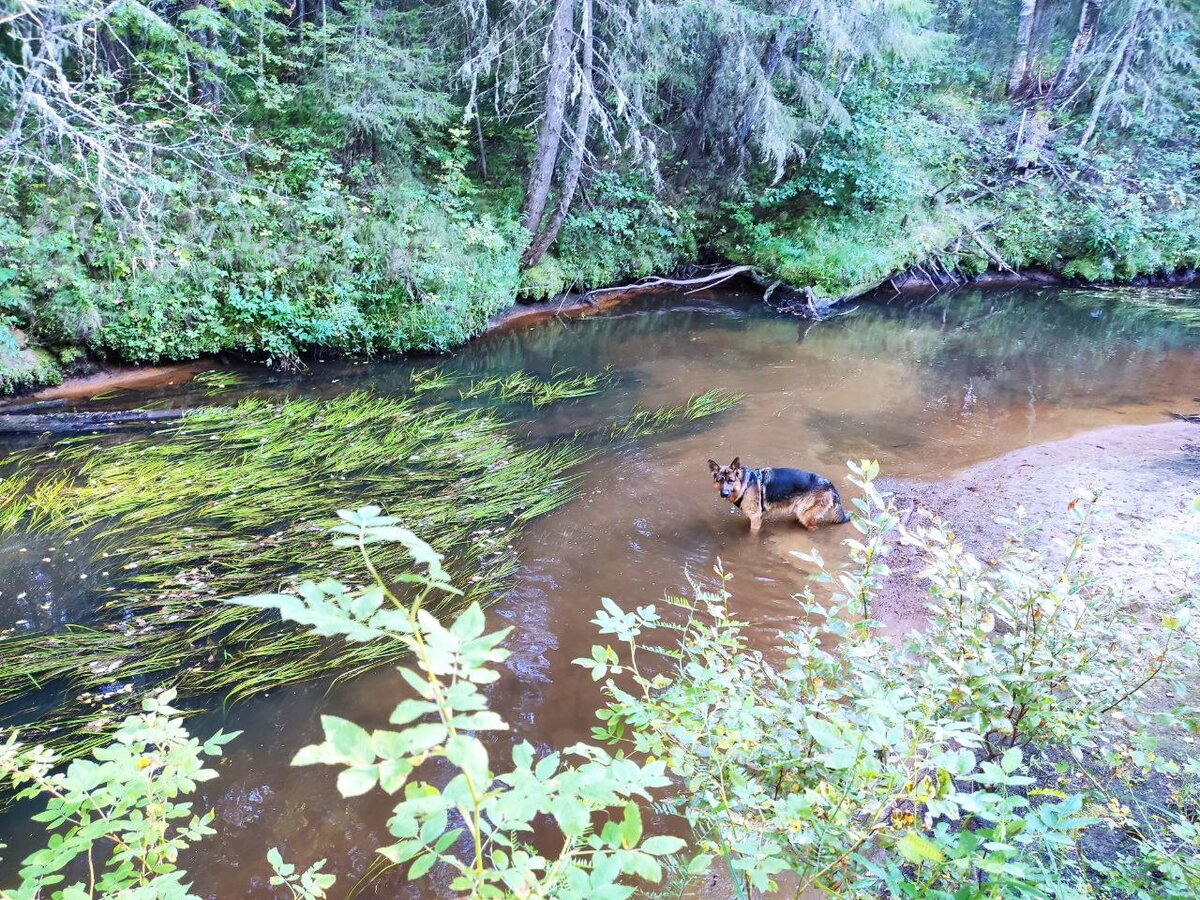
point(1148, 477)
point(120, 377)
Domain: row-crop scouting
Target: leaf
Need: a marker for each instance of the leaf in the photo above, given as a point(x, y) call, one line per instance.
point(571, 814)
point(842, 758)
point(631, 825)
point(349, 742)
point(421, 866)
point(663, 845)
point(469, 624)
point(824, 733)
point(357, 781)
point(917, 848)
point(1011, 761)
point(470, 755)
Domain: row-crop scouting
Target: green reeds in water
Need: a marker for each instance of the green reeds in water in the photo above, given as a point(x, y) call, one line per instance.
point(642, 422)
point(218, 381)
point(563, 384)
point(236, 501)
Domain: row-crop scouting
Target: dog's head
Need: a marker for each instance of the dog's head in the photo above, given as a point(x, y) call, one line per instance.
point(729, 481)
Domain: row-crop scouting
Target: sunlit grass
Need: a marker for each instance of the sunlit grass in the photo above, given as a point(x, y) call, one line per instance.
point(643, 421)
point(236, 500)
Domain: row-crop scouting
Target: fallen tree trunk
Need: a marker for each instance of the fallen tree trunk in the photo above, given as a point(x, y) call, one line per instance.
point(37, 406)
point(657, 282)
point(86, 422)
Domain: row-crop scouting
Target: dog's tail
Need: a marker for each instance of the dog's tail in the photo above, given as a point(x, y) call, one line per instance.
point(840, 516)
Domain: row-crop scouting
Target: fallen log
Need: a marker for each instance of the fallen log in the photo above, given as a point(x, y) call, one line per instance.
point(656, 282)
point(36, 406)
point(86, 422)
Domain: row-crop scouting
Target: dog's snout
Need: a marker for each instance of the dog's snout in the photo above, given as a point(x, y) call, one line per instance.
point(726, 491)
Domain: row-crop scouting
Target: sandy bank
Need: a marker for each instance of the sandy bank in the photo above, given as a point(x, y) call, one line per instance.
point(1148, 476)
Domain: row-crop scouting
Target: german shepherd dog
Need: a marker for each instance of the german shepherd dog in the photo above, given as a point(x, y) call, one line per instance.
point(813, 500)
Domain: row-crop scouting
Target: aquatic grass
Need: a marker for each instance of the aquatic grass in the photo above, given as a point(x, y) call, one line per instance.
point(1174, 309)
point(218, 381)
point(642, 422)
point(434, 379)
point(1140, 307)
point(236, 500)
point(563, 384)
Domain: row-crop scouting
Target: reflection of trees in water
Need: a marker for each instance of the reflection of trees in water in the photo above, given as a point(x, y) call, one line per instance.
point(1018, 346)
point(592, 342)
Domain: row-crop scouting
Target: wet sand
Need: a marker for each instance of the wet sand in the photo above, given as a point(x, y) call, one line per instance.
point(132, 378)
point(1147, 476)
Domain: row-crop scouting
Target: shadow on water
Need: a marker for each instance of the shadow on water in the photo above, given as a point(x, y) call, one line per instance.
point(926, 387)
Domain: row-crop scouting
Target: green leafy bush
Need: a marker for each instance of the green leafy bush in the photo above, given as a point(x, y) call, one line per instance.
point(496, 807)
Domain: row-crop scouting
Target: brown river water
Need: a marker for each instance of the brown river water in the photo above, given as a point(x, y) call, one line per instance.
point(926, 387)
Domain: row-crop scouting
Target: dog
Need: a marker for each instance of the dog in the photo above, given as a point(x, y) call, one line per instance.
point(813, 500)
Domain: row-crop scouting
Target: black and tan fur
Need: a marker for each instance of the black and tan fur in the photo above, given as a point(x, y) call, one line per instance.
point(805, 496)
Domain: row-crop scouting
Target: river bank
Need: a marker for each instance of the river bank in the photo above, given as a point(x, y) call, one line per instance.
point(99, 377)
point(1147, 476)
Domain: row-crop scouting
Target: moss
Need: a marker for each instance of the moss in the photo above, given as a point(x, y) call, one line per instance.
point(24, 368)
point(543, 281)
point(834, 254)
point(1089, 269)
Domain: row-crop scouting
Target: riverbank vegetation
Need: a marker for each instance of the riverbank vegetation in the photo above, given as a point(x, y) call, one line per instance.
point(974, 760)
point(381, 175)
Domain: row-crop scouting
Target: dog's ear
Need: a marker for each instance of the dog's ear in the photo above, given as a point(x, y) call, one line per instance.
point(736, 464)
point(714, 467)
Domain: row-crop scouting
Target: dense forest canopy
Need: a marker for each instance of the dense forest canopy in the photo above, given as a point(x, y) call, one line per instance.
point(187, 177)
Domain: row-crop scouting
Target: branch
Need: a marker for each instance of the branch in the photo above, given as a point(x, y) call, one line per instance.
point(655, 282)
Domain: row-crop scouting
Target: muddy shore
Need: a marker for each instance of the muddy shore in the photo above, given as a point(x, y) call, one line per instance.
point(1148, 478)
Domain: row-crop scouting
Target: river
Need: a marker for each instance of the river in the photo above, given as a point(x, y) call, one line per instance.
point(927, 387)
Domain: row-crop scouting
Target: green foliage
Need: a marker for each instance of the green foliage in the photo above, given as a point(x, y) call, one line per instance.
point(1132, 218)
point(864, 764)
point(391, 267)
point(496, 809)
point(226, 177)
point(860, 209)
point(22, 369)
point(122, 810)
point(627, 231)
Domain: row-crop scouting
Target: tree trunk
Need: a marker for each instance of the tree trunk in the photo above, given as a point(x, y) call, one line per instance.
point(1089, 19)
point(1018, 71)
point(541, 173)
point(1120, 63)
point(207, 88)
point(543, 240)
point(693, 143)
